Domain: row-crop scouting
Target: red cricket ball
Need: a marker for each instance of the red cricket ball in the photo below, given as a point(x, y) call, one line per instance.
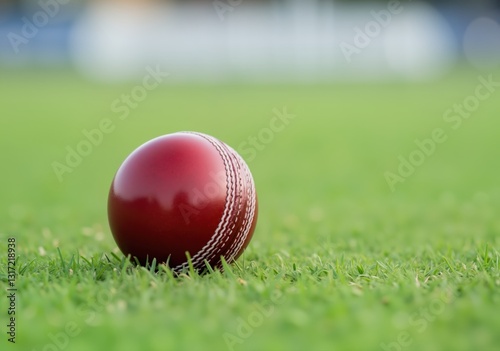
point(183, 193)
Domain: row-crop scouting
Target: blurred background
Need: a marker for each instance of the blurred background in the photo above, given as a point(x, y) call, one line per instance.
point(250, 40)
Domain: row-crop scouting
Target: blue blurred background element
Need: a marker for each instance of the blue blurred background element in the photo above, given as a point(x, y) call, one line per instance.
point(245, 40)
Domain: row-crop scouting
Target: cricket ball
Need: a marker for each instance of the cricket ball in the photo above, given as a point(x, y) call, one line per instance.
point(183, 195)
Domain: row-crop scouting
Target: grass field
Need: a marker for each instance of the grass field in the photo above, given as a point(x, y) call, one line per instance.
point(338, 260)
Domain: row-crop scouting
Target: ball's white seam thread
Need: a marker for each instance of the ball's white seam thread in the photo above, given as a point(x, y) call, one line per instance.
point(238, 198)
point(212, 246)
point(240, 234)
point(224, 233)
point(201, 254)
point(243, 231)
point(219, 233)
point(251, 197)
point(245, 227)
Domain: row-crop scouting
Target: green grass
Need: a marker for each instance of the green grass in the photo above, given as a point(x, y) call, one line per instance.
point(338, 261)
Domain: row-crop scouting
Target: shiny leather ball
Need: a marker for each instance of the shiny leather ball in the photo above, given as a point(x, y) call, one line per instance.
point(183, 195)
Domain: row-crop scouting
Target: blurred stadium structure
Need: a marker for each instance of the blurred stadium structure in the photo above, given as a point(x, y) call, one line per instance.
point(248, 40)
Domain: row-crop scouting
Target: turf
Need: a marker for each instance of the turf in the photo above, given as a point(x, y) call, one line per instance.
point(338, 260)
